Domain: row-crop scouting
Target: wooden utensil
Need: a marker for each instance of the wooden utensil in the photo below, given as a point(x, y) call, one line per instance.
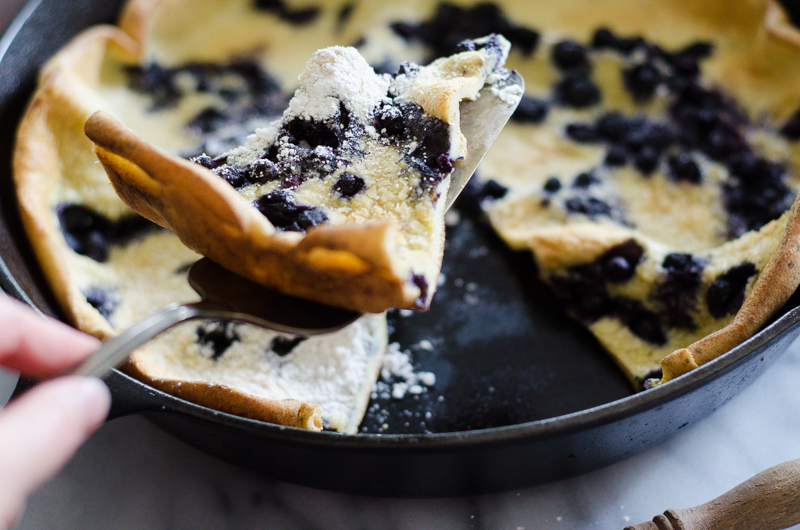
point(769, 500)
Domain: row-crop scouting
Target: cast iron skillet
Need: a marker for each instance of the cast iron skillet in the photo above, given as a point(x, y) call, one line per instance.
point(523, 394)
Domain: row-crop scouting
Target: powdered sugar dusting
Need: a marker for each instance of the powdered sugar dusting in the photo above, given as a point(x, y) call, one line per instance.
point(397, 367)
point(338, 74)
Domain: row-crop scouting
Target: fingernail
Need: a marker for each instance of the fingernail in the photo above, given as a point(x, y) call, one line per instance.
point(93, 399)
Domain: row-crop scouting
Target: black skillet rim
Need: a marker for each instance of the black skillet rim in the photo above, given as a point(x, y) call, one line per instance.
point(541, 429)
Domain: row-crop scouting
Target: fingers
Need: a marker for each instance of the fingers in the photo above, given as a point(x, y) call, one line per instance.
point(38, 346)
point(39, 433)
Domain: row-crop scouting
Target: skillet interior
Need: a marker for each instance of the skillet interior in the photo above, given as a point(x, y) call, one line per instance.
point(523, 394)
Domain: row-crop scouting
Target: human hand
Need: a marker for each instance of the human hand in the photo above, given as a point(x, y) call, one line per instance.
point(42, 429)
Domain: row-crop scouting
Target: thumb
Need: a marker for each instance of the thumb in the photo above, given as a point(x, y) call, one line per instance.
point(39, 433)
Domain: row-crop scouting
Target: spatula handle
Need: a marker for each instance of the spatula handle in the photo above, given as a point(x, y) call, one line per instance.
point(769, 500)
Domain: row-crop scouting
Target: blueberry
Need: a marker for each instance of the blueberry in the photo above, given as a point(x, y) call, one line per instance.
point(654, 51)
point(603, 38)
point(627, 45)
point(676, 294)
point(262, 171)
point(421, 283)
point(295, 16)
point(584, 180)
point(642, 322)
point(552, 185)
point(105, 300)
point(657, 135)
point(646, 160)
point(345, 12)
point(312, 132)
point(155, 81)
point(791, 128)
point(474, 193)
point(530, 110)
point(85, 232)
point(750, 170)
point(578, 91)
point(612, 126)
point(206, 161)
point(699, 49)
point(685, 65)
point(92, 234)
point(581, 132)
point(616, 155)
point(685, 62)
point(583, 294)
point(757, 194)
point(726, 294)
point(235, 176)
point(617, 269)
point(569, 55)
point(348, 185)
point(283, 346)
point(620, 261)
point(290, 182)
point(642, 81)
point(208, 120)
point(683, 168)
point(129, 228)
point(301, 16)
point(282, 212)
point(444, 163)
point(724, 140)
point(494, 189)
point(683, 265)
point(453, 24)
point(389, 121)
point(216, 337)
point(592, 207)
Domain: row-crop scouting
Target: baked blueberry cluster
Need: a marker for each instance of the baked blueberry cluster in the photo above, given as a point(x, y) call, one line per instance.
point(91, 234)
point(314, 149)
point(452, 24)
point(241, 92)
point(300, 16)
point(699, 120)
point(215, 337)
point(585, 291)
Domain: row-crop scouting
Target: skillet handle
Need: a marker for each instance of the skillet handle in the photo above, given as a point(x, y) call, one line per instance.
point(769, 500)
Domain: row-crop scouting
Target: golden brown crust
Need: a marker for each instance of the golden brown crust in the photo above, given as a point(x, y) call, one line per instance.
point(36, 164)
point(775, 285)
point(210, 217)
point(289, 412)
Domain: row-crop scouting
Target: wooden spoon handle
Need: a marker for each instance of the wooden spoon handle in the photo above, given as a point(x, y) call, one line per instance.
point(769, 500)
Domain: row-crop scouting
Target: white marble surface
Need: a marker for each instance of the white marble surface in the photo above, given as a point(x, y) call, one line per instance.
point(132, 475)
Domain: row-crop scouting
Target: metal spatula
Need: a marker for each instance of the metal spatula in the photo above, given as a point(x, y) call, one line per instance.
point(481, 122)
point(228, 296)
point(224, 296)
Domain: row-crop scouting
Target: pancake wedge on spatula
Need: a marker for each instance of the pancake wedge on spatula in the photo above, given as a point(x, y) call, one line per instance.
point(342, 201)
